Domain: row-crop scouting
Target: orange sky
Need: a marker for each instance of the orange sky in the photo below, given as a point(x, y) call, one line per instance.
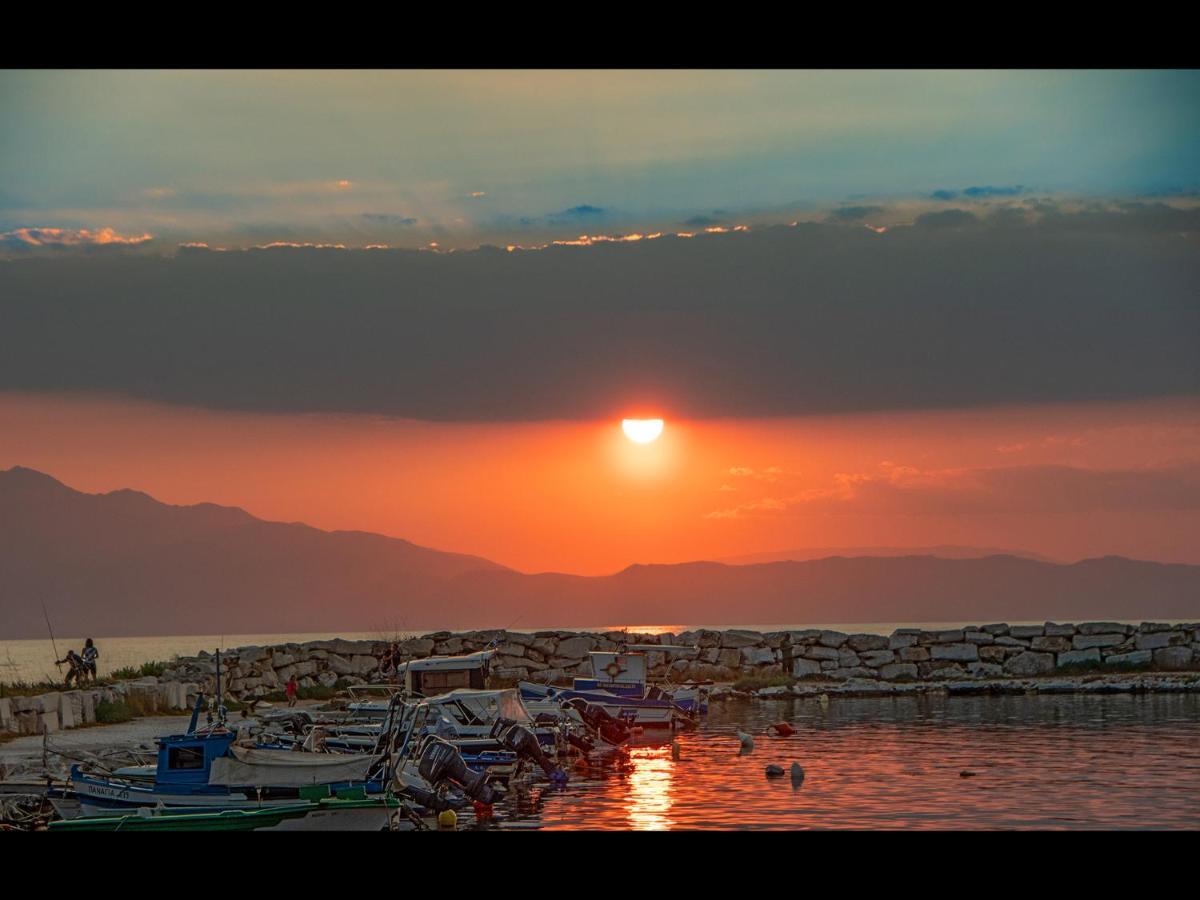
point(580, 497)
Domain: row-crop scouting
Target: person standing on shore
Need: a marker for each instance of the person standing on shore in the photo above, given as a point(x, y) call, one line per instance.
point(90, 655)
point(290, 690)
point(785, 653)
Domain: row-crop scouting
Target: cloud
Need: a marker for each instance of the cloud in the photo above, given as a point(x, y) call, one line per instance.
point(947, 218)
point(774, 321)
point(943, 195)
point(32, 238)
point(992, 191)
point(389, 219)
point(853, 213)
point(906, 490)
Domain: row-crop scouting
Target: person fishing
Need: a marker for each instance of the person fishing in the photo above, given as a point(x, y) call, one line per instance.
point(77, 670)
point(90, 655)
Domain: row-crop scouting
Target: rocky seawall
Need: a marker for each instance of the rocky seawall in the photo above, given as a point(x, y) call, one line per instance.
point(1091, 656)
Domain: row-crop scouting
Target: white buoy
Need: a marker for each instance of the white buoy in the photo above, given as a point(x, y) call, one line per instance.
point(674, 749)
point(746, 739)
point(797, 773)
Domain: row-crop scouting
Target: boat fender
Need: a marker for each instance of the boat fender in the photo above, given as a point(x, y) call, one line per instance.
point(783, 729)
point(447, 820)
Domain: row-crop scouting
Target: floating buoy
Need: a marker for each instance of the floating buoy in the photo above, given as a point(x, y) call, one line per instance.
point(797, 773)
point(675, 750)
point(774, 771)
point(783, 729)
point(746, 739)
point(447, 820)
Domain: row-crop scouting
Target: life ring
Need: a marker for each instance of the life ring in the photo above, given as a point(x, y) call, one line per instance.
point(612, 670)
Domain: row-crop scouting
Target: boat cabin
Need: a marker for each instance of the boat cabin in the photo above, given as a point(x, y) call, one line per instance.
point(436, 675)
point(623, 674)
point(187, 759)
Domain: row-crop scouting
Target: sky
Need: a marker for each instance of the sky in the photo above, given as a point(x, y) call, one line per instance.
point(874, 308)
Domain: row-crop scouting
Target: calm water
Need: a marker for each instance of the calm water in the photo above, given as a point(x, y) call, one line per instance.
point(33, 660)
point(1051, 762)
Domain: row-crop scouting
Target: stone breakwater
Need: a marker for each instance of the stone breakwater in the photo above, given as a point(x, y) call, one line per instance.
point(58, 710)
point(1092, 656)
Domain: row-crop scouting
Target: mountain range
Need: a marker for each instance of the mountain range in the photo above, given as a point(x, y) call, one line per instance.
point(123, 563)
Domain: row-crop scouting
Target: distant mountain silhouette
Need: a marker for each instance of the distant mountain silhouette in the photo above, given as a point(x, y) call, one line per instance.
point(944, 551)
point(123, 563)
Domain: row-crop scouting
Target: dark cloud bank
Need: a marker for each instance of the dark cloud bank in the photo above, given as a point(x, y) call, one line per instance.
point(786, 320)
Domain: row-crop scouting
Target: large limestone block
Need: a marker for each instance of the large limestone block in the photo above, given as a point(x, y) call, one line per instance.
point(7, 722)
point(364, 665)
point(832, 638)
point(993, 654)
point(729, 658)
point(847, 658)
point(47, 722)
point(1073, 657)
point(951, 636)
point(339, 665)
point(820, 652)
point(1104, 628)
point(1053, 629)
point(946, 671)
point(450, 647)
point(576, 647)
point(1083, 641)
point(914, 654)
point(1136, 658)
point(419, 647)
point(985, 670)
point(760, 656)
point(282, 660)
point(899, 640)
point(844, 673)
point(1159, 639)
point(1027, 631)
point(978, 637)
point(898, 671)
point(305, 669)
point(861, 642)
point(327, 679)
point(1005, 640)
point(1051, 643)
point(739, 639)
point(959, 652)
point(802, 667)
point(875, 658)
point(1030, 663)
point(513, 673)
point(1173, 659)
point(996, 629)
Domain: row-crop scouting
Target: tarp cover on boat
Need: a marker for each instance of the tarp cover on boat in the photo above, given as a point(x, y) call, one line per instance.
point(486, 706)
point(251, 766)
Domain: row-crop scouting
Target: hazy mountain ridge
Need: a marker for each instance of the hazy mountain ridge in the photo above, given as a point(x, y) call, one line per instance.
point(123, 563)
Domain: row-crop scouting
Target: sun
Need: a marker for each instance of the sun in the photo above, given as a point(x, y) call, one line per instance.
point(642, 431)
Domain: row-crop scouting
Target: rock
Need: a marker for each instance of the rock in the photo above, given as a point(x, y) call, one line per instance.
point(802, 667)
point(729, 658)
point(282, 660)
point(1136, 658)
point(364, 665)
point(1027, 631)
point(340, 665)
point(993, 654)
point(898, 671)
point(1030, 663)
point(418, 647)
point(774, 771)
point(739, 639)
point(862, 642)
point(307, 682)
point(515, 673)
point(1149, 627)
point(995, 629)
point(576, 647)
point(960, 652)
point(899, 640)
point(820, 652)
point(1084, 641)
point(1159, 639)
point(952, 636)
point(757, 656)
point(797, 773)
point(844, 673)
point(1073, 657)
point(1088, 628)
point(1173, 659)
point(985, 670)
point(778, 690)
point(304, 669)
point(327, 679)
point(954, 670)
point(847, 658)
point(511, 649)
point(1055, 630)
point(914, 654)
point(832, 638)
point(1052, 643)
point(978, 637)
point(876, 658)
point(1006, 641)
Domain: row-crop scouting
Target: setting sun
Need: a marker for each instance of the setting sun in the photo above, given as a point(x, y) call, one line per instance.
point(642, 431)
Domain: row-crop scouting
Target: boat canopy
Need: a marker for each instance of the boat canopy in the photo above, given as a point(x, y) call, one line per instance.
point(255, 766)
point(484, 706)
point(437, 663)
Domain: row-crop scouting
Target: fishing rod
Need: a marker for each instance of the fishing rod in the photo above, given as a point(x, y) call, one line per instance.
point(53, 643)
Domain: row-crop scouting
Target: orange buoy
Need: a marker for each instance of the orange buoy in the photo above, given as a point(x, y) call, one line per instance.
point(483, 811)
point(783, 729)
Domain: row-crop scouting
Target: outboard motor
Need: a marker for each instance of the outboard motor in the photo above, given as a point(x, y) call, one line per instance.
point(523, 742)
point(438, 761)
point(610, 727)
